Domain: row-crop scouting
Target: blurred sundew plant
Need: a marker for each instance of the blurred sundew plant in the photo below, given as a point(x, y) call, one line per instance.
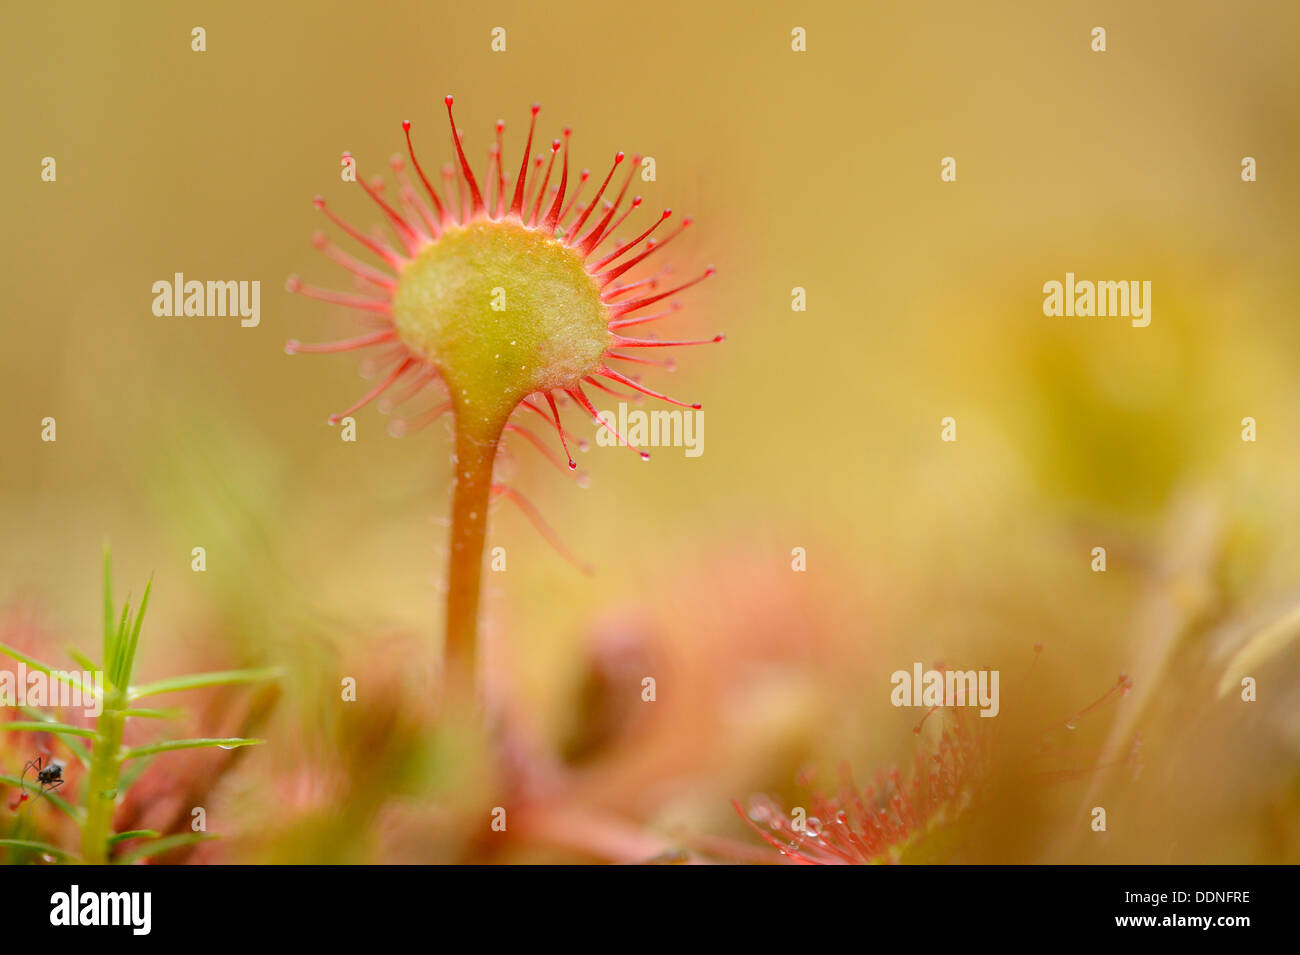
point(516, 297)
point(910, 817)
point(109, 767)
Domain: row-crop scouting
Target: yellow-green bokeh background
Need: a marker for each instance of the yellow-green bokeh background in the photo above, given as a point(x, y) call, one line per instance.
point(818, 170)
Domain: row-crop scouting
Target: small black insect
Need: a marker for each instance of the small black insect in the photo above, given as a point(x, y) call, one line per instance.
point(48, 775)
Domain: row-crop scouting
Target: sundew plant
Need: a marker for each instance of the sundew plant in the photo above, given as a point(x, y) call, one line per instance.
point(515, 297)
point(109, 767)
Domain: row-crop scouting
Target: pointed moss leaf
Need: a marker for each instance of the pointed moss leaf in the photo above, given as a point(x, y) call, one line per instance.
point(166, 844)
point(126, 662)
point(170, 745)
point(41, 726)
point(150, 714)
point(42, 847)
point(63, 676)
point(196, 680)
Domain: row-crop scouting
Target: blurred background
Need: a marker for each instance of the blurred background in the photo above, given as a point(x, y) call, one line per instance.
point(822, 428)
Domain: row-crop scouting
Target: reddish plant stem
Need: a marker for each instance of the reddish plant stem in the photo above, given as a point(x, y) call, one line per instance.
point(476, 451)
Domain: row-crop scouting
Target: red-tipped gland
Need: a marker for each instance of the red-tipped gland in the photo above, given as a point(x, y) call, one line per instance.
point(541, 192)
point(559, 429)
point(475, 196)
point(407, 234)
point(624, 308)
point(517, 203)
point(1120, 688)
point(573, 199)
point(624, 249)
point(553, 217)
point(593, 238)
point(439, 211)
point(572, 234)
